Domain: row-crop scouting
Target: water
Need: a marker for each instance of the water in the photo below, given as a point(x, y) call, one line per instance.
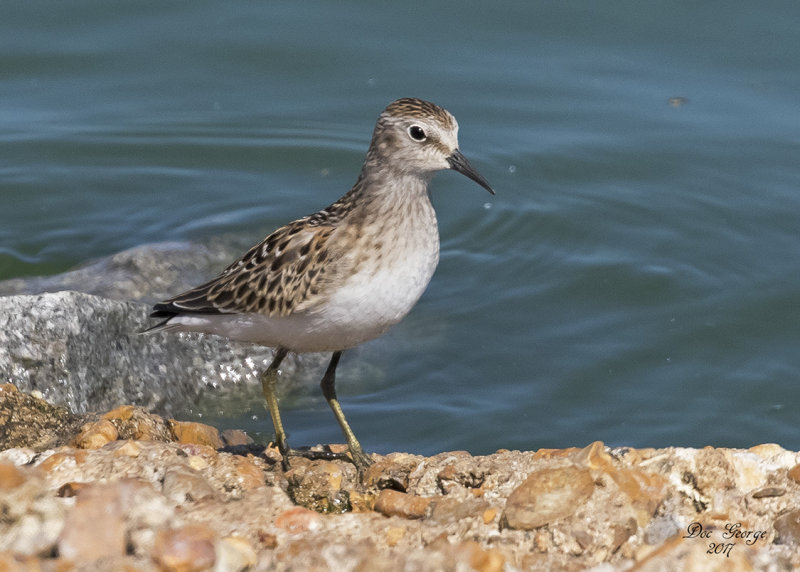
point(635, 280)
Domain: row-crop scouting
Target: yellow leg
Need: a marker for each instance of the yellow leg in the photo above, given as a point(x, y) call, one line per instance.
point(328, 384)
point(269, 380)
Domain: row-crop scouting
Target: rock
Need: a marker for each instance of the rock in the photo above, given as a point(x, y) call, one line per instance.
point(317, 485)
point(183, 484)
point(787, 528)
point(185, 506)
point(148, 273)
point(85, 353)
point(27, 421)
point(450, 510)
point(187, 549)
point(298, 519)
point(95, 435)
point(95, 527)
point(395, 503)
point(547, 496)
point(32, 516)
point(234, 554)
point(198, 433)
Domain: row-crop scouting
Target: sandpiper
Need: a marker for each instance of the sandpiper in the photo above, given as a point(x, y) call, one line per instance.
point(344, 275)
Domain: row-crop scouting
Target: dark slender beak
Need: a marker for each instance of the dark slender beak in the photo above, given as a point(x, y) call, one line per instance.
point(459, 163)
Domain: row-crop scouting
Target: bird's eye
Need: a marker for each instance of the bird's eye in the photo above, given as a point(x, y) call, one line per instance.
point(417, 133)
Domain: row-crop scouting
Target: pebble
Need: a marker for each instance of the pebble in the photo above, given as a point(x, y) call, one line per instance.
point(10, 476)
point(298, 519)
point(234, 554)
point(95, 527)
point(187, 506)
point(97, 434)
point(787, 528)
point(183, 484)
point(190, 548)
point(395, 503)
point(547, 496)
point(196, 433)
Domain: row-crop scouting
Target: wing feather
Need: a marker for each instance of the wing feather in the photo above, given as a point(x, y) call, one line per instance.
point(286, 271)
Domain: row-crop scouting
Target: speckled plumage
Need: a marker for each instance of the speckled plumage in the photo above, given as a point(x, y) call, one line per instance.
point(343, 275)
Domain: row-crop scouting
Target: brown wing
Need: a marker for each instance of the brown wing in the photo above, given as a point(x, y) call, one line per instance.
point(286, 271)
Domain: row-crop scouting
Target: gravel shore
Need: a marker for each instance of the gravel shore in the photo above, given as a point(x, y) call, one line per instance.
point(130, 490)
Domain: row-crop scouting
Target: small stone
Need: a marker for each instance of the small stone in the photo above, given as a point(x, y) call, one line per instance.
point(394, 534)
point(125, 448)
point(57, 459)
point(645, 490)
point(123, 413)
point(233, 437)
point(489, 515)
point(546, 496)
point(186, 549)
point(787, 528)
point(234, 554)
point(768, 492)
point(660, 529)
point(622, 532)
point(69, 490)
point(197, 433)
point(197, 462)
point(267, 539)
point(447, 510)
point(391, 471)
point(181, 484)
point(94, 528)
point(31, 516)
point(395, 503)
point(96, 435)
point(482, 560)
point(10, 476)
point(248, 474)
point(298, 519)
point(317, 485)
point(794, 473)
point(338, 448)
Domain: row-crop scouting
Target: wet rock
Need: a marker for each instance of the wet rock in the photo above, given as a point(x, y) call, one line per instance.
point(547, 496)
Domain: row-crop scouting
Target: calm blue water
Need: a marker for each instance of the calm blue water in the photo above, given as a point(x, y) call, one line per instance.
point(635, 280)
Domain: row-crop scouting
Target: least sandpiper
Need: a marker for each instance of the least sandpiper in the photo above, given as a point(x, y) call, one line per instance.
point(344, 275)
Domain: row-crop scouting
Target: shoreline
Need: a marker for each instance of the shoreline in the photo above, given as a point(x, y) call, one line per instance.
point(128, 489)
